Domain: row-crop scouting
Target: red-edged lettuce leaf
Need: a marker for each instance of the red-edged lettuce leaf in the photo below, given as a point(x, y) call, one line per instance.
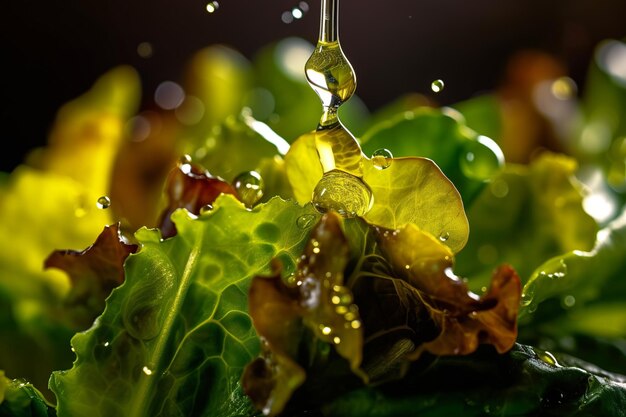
point(93, 273)
point(399, 300)
point(464, 319)
point(191, 187)
point(313, 299)
point(175, 336)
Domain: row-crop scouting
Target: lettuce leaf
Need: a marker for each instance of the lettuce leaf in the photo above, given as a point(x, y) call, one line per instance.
point(468, 159)
point(360, 307)
point(525, 216)
point(524, 382)
point(409, 190)
point(21, 399)
point(575, 302)
point(174, 338)
point(93, 273)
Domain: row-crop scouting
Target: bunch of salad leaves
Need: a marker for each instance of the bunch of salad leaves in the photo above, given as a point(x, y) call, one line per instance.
point(169, 263)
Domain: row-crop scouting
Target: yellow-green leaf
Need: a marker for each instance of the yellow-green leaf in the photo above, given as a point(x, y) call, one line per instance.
point(415, 191)
point(411, 190)
point(304, 169)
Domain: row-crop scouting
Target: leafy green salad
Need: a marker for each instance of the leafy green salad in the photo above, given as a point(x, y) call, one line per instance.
point(170, 263)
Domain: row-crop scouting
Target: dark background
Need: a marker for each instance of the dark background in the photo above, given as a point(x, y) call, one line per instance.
point(54, 51)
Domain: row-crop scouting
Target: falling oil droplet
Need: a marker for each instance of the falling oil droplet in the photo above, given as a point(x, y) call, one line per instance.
point(437, 86)
point(212, 6)
point(103, 202)
point(249, 186)
point(382, 158)
point(481, 158)
point(331, 76)
point(306, 221)
point(444, 236)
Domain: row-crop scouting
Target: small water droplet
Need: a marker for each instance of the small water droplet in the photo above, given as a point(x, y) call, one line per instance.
point(146, 370)
point(336, 340)
point(103, 202)
point(343, 193)
point(355, 324)
point(325, 330)
point(528, 293)
point(481, 158)
point(249, 186)
point(206, 208)
point(444, 236)
point(212, 6)
point(306, 220)
point(291, 279)
point(547, 357)
point(437, 86)
point(382, 158)
point(568, 301)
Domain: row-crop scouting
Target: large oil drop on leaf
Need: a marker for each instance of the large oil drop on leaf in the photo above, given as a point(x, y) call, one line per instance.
point(176, 335)
point(410, 190)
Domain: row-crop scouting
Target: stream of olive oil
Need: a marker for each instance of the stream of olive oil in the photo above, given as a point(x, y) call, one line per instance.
point(331, 76)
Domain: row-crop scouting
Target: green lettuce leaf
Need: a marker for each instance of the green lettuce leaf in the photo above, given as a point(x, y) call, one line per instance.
point(580, 293)
point(50, 203)
point(468, 159)
point(525, 216)
point(22, 399)
point(93, 273)
point(524, 382)
point(174, 338)
point(231, 148)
